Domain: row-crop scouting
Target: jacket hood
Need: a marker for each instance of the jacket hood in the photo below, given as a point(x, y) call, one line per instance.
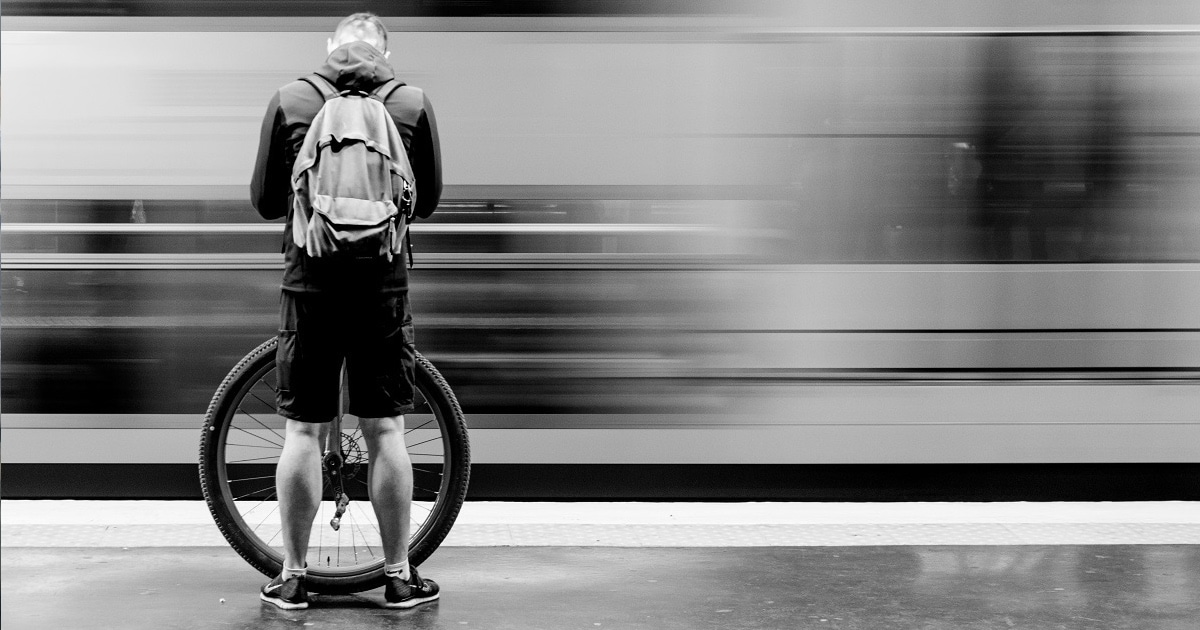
point(356, 65)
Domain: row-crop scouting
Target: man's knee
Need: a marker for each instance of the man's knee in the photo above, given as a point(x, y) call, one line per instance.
point(304, 431)
point(375, 428)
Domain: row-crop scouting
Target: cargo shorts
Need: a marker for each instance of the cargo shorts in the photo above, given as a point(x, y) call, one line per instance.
point(371, 333)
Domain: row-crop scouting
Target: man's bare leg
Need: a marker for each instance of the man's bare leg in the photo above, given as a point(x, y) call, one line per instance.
point(390, 479)
point(298, 480)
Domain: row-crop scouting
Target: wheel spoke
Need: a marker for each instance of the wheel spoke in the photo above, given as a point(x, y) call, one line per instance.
point(257, 505)
point(427, 472)
point(256, 492)
point(260, 422)
point(420, 426)
point(255, 459)
point(273, 510)
point(276, 447)
point(366, 545)
point(259, 399)
point(432, 439)
point(255, 435)
point(241, 479)
point(265, 383)
point(418, 506)
point(367, 520)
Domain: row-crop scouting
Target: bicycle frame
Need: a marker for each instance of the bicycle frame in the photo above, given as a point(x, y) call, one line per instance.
point(333, 459)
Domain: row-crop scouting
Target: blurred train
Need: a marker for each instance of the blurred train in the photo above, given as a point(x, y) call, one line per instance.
point(711, 250)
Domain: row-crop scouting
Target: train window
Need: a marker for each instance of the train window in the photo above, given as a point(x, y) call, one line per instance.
point(884, 147)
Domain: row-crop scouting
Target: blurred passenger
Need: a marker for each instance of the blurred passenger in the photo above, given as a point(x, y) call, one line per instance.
point(1103, 156)
point(137, 214)
point(1051, 149)
point(1008, 148)
point(353, 308)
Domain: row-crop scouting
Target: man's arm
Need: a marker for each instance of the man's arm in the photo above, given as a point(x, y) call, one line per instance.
point(426, 154)
point(271, 185)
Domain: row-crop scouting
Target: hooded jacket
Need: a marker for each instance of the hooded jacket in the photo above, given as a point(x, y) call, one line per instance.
point(291, 111)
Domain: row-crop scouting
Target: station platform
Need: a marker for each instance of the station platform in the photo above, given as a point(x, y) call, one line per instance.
point(148, 564)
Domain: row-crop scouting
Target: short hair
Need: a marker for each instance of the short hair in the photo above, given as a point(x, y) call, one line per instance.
point(363, 20)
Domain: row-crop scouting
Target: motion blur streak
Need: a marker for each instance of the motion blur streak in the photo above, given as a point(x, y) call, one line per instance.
point(935, 234)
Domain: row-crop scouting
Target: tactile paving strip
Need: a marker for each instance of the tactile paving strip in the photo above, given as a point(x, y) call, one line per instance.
point(500, 524)
point(657, 535)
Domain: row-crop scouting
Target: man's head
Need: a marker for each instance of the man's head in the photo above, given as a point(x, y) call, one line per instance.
point(365, 27)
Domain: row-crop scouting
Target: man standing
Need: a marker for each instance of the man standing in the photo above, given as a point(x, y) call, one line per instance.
point(354, 310)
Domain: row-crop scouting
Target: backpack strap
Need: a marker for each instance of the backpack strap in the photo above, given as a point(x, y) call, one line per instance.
point(384, 91)
point(408, 241)
point(322, 85)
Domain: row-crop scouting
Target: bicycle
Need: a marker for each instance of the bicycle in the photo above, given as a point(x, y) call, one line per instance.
point(240, 445)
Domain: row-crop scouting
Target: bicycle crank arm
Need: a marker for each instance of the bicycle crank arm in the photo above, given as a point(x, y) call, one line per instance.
point(342, 502)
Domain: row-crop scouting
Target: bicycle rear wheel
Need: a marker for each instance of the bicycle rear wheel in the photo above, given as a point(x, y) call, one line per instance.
point(240, 448)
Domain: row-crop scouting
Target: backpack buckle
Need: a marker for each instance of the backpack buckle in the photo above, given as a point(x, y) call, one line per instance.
point(406, 199)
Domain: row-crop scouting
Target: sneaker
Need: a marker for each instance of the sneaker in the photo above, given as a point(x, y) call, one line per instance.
point(406, 594)
point(289, 594)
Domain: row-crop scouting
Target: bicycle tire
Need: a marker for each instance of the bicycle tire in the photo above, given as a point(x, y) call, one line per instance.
point(228, 407)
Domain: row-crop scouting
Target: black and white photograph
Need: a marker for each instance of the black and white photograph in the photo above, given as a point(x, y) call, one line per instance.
point(600, 314)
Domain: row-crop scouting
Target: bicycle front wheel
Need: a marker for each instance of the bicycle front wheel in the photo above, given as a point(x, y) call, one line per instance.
point(240, 447)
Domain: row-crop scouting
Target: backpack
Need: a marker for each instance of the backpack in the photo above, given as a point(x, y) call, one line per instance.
point(353, 185)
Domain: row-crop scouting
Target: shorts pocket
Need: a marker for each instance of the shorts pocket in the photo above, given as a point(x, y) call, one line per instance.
point(394, 362)
point(285, 359)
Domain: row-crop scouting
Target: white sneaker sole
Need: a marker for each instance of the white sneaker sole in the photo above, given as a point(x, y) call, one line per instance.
point(281, 603)
point(409, 603)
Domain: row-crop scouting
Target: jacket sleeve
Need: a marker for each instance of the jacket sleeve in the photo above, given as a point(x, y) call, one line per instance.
point(270, 184)
point(426, 154)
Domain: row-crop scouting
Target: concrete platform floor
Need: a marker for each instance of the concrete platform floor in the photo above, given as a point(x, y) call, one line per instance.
point(1102, 587)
